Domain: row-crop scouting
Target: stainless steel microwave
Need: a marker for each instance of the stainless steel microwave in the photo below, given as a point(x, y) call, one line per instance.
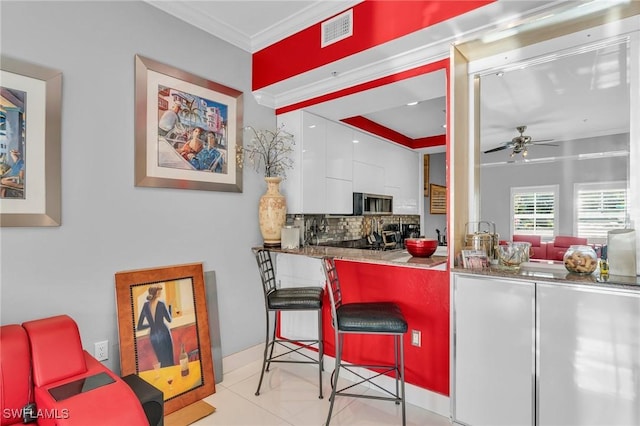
point(364, 204)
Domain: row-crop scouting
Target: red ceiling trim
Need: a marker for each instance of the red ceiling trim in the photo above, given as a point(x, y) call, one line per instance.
point(431, 141)
point(367, 125)
point(374, 23)
point(374, 128)
point(414, 72)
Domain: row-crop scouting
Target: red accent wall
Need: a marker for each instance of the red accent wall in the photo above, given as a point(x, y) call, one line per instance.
point(423, 296)
point(374, 23)
point(369, 126)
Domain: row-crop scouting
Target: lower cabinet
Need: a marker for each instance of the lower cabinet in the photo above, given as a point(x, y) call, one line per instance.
point(544, 354)
point(589, 356)
point(493, 351)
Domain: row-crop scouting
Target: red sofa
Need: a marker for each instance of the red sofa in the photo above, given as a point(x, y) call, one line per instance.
point(560, 244)
point(539, 249)
point(552, 250)
point(42, 354)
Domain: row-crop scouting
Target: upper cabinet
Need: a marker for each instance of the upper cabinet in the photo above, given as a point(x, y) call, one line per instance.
point(331, 161)
point(339, 154)
point(381, 167)
point(320, 181)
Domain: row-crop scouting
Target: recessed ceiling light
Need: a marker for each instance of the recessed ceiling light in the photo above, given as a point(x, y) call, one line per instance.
point(500, 73)
point(412, 103)
point(312, 126)
point(444, 126)
point(356, 141)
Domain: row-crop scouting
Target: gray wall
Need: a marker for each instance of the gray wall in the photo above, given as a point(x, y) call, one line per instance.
point(108, 225)
point(496, 181)
point(437, 176)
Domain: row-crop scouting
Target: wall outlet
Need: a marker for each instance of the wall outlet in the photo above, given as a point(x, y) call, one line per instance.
point(101, 350)
point(416, 338)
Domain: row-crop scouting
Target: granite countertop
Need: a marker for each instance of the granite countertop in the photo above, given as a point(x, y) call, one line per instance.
point(396, 257)
point(534, 271)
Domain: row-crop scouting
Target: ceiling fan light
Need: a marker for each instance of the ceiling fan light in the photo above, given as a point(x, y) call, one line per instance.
point(525, 152)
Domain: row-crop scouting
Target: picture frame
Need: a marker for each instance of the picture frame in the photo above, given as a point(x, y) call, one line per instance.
point(474, 259)
point(174, 355)
point(170, 104)
point(426, 174)
point(438, 200)
point(30, 158)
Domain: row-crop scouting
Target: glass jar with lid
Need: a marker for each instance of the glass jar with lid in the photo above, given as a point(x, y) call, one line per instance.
point(580, 259)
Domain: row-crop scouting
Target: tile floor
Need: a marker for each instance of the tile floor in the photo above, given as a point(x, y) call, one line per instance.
point(289, 396)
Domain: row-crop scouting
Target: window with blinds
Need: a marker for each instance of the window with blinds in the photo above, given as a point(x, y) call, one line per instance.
point(600, 207)
point(534, 210)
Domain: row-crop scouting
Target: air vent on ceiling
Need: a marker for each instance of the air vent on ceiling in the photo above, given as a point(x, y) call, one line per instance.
point(337, 28)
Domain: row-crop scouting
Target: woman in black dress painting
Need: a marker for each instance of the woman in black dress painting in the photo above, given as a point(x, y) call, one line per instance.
point(152, 316)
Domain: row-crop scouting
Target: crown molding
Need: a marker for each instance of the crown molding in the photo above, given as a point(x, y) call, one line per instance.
point(185, 11)
point(188, 11)
point(305, 18)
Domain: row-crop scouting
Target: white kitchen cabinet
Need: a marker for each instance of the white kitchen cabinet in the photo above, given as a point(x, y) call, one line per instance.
point(589, 356)
point(339, 151)
point(544, 354)
point(339, 196)
point(329, 167)
point(493, 351)
point(313, 141)
point(368, 178)
point(298, 271)
point(402, 179)
point(369, 149)
point(308, 188)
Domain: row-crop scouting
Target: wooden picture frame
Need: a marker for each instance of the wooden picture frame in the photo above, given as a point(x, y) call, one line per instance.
point(170, 152)
point(30, 158)
point(438, 200)
point(426, 174)
point(155, 351)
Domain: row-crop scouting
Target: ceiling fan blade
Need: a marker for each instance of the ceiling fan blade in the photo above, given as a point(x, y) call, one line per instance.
point(500, 148)
point(543, 142)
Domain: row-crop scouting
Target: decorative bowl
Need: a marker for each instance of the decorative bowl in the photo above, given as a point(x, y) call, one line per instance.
point(421, 247)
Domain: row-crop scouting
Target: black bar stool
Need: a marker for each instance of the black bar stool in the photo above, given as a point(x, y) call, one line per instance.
point(288, 299)
point(380, 318)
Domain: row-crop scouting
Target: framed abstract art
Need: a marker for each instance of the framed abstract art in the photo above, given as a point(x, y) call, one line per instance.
point(187, 130)
point(30, 128)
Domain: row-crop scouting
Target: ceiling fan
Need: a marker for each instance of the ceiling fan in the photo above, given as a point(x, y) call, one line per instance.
point(520, 143)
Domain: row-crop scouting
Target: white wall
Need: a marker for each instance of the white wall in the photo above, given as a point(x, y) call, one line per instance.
point(108, 225)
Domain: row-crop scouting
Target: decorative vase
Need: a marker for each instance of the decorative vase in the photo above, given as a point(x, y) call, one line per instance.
point(272, 212)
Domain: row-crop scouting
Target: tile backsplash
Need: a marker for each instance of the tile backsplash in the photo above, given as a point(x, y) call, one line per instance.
point(345, 228)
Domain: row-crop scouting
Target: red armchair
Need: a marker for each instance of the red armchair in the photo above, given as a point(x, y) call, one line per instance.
point(560, 244)
point(54, 349)
point(15, 367)
point(539, 249)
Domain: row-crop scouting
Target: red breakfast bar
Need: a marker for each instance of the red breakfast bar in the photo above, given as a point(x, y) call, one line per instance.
point(419, 285)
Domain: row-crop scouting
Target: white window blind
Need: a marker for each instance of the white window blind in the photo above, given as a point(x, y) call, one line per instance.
point(534, 210)
point(600, 207)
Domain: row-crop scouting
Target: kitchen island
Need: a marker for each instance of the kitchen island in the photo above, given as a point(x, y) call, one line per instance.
point(419, 285)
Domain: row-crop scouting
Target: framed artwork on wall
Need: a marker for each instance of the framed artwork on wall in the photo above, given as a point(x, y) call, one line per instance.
point(30, 123)
point(438, 200)
point(187, 130)
point(426, 175)
point(164, 332)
